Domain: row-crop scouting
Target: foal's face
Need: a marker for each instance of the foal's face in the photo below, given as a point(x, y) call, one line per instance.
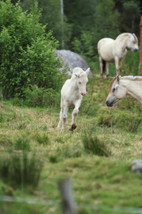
point(116, 93)
point(81, 82)
point(132, 43)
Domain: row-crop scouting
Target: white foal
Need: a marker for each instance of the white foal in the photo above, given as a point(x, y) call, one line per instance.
point(72, 92)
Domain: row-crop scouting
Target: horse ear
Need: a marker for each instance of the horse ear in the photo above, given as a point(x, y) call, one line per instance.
point(117, 77)
point(87, 71)
point(77, 75)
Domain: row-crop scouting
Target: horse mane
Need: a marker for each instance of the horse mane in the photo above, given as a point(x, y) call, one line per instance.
point(135, 38)
point(123, 35)
point(132, 78)
point(111, 83)
point(77, 71)
point(127, 35)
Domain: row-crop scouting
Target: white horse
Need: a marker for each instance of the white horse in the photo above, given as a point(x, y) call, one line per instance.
point(120, 86)
point(111, 50)
point(72, 92)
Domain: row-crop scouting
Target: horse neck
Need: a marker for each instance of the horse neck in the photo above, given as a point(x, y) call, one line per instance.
point(134, 88)
point(122, 43)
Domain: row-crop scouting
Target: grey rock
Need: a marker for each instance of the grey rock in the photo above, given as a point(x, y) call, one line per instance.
point(71, 60)
point(136, 166)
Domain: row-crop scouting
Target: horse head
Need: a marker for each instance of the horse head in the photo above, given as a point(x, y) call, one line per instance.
point(82, 79)
point(116, 91)
point(132, 42)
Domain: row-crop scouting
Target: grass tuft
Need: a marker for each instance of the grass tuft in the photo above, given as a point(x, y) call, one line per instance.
point(20, 169)
point(22, 143)
point(92, 144)
point(42, 139)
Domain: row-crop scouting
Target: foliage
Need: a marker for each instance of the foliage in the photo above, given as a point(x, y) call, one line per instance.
point(53, 22)
point(35, 96)
point(129, 16)
point(108, 26)
point(130, 64)
point(27, 52)
point(86, 42)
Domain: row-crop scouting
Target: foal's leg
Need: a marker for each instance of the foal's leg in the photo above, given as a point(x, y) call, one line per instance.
point(61, 118)
point(64, 115)
point(74, 114)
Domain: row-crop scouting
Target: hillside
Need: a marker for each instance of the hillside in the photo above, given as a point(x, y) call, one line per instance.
point(99, 176)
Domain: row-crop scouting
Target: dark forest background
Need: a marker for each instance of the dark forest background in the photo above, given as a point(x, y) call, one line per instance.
point(86, 21)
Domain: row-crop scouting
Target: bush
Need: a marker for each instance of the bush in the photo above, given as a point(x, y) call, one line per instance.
point(27, 54)
point(92, 144)
point(35, 96)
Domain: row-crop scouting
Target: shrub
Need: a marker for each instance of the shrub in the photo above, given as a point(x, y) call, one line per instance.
point(92, 144)
point(27, 54)
point(35, 96)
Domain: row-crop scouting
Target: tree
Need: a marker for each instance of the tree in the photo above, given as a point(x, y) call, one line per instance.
point(51, 17)
point(27, 55)
point(106, 24)
point(106, 20)
point(130, 16)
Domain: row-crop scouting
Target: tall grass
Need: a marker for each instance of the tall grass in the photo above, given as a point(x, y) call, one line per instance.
point(92, 144)
point(20, 169)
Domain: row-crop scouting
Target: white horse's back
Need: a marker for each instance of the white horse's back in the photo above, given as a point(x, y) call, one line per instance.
point(104, 45)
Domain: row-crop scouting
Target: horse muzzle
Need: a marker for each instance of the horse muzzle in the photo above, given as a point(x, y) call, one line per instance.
point(83, 93)
point(109, 104)
point(135, 49)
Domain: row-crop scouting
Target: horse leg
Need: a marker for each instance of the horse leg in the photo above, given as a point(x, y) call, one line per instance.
point(117, 66)
point(74, 114)
point(120, 64)
point(63, 115)
point(107, 70)
point(101, 66)
point(61, 119)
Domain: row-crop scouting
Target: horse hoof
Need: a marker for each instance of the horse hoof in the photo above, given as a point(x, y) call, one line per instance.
point(73, 126)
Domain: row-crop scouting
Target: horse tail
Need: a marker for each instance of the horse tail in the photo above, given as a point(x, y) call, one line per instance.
point(104, 65)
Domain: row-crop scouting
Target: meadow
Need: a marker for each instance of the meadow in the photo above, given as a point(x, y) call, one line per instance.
point(96, 156)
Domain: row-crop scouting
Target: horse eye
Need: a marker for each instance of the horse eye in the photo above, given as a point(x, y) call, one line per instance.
point(113, 90)
point(79, 82)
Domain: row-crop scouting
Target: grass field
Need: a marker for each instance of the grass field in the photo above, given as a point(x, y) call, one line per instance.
point(100, 176)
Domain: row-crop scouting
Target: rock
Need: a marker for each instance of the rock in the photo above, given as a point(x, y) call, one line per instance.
point(136, 166)
point(71, 60)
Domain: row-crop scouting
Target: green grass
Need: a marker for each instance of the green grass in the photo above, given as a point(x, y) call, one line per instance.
point(97, 178)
